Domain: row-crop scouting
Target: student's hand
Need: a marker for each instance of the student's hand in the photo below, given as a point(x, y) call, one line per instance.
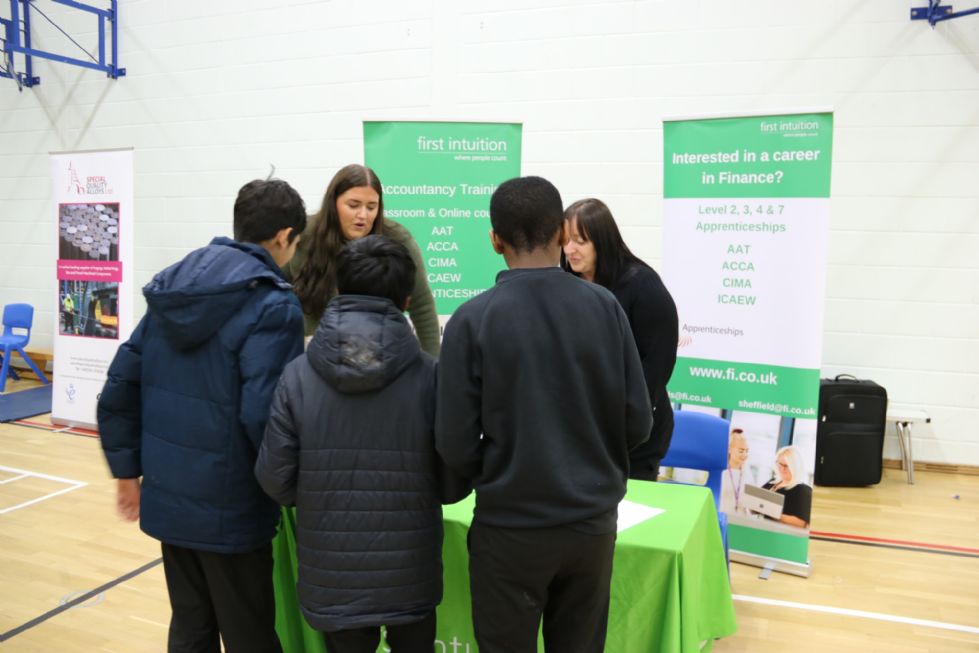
point(127, 498)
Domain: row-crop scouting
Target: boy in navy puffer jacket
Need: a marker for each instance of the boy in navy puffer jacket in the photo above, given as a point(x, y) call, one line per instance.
point(182, 415)
point(350, 442)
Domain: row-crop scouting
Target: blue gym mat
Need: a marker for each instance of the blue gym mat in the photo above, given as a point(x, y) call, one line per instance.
point(25, 403)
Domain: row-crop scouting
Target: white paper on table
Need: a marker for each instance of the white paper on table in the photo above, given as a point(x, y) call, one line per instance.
point(632, 513)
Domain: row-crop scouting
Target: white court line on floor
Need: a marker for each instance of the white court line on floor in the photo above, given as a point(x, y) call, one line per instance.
point(879, 616)
point(23, 473)
point(149, 621)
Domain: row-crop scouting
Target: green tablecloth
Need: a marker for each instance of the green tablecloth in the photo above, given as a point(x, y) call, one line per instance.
point(670, 589)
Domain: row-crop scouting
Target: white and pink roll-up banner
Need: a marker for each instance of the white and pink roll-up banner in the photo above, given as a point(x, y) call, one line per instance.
point(93, 200)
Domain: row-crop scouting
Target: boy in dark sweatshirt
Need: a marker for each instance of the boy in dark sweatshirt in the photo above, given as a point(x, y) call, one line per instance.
point(540, 398)
point(350, 443)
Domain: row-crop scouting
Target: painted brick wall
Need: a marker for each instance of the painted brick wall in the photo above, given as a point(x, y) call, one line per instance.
point(218, 91)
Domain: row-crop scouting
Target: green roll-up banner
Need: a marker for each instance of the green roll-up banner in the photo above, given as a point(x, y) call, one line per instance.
point(745, 230)
point(438, 178)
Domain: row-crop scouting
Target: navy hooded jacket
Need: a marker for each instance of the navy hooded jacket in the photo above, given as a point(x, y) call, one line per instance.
point(350, 443)
point(187, 397)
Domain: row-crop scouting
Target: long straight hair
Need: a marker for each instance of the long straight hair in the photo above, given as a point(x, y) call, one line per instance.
point(597, 226)
point(316, 280)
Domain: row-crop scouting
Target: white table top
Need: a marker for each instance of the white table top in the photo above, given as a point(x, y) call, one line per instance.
point(903, 414)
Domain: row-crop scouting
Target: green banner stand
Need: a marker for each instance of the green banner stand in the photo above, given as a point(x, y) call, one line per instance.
point(437, 179)
point(745, 236)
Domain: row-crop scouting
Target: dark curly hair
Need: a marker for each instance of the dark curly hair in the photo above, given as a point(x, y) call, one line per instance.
point(526, 212)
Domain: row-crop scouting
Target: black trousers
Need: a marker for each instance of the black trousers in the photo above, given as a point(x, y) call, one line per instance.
point(415, 637)
point(216, 596)
point(518, 576)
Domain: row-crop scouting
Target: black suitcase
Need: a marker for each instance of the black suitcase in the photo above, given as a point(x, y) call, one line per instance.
point(850, 432)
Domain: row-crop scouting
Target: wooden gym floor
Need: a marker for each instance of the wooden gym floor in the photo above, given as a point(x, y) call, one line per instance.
point(60, 539)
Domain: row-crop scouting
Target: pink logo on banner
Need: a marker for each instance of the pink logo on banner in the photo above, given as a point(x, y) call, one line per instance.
point(94, 184)
point(69, 270)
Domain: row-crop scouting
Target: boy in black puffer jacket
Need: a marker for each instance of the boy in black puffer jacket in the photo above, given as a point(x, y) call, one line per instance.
point(350, 442)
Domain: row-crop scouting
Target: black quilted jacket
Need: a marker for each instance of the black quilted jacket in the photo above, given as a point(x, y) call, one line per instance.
point(350, 443)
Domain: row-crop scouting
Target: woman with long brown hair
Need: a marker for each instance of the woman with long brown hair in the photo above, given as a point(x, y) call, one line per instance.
point(352, 208)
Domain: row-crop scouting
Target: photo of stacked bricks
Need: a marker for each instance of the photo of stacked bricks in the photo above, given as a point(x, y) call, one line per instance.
point(89, 232)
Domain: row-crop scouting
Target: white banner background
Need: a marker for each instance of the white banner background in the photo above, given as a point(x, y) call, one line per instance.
point(787, 278)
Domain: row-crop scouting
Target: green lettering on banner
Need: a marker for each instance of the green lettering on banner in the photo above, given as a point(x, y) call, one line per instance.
point(438, 178)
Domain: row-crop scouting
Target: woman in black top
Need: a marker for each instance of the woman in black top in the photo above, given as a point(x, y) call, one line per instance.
point(789, 481)
point(596, 252)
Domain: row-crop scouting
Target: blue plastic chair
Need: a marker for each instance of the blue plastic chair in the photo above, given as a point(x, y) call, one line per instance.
point(700, 441)
point(17, 322)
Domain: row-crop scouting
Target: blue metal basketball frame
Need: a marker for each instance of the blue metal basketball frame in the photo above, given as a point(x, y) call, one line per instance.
point(16, 34)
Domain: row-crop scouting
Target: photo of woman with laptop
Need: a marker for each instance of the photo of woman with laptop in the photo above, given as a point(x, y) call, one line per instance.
point(748, 499)
point(790, 472)
point(786, 498)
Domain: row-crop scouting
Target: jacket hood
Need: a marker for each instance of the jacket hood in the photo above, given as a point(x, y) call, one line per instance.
point(362, 344)
point(196, 296)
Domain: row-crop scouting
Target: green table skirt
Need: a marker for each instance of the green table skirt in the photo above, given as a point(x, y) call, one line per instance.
point(670, 588)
